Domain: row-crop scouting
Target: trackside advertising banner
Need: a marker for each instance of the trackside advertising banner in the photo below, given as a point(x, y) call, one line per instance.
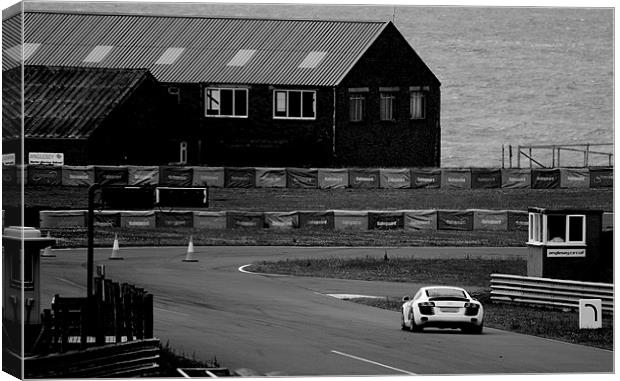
point(362, 178)
point(270, 177)
point(350, 220)
point(44, 175)
point(455, 220)
point(601, 177)
point(302, 177)
point(425, 177)
point(394, 178)
point(316, 220)
point(574, 178)
point(107, 218)
point(545, 178)
point(136, 219)
point(111, 175)
point(455, 178)
point(281, 220)
point(496, 220)
point(174, 219)
point(175, 176)
point(517, 220)
point(62, 219)
point(9, 175)
point(333, 178)
point(420, 219)
point(244, 220)
point(240, 177)
point(516, 178)
point(385, 220)
point(209, 220)
point(208, 176)
point(76, 176)
point(485, 178)
point(143, 175)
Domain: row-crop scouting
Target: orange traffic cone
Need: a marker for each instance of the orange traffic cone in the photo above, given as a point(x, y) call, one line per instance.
point(115, 254)
point(189, 257)
point(47, 252)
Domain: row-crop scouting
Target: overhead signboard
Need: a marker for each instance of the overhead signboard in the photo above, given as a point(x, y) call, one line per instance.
point(557, 253)
point(53, 158)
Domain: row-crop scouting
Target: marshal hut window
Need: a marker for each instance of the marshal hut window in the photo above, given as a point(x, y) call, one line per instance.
point(417, 103)
point(553, 229)
point(294, 104)
point(226, 102)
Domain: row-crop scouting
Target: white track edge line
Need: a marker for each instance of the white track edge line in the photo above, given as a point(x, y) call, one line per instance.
point(373, 362)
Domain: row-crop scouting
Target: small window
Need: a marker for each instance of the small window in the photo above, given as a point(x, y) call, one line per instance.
point(183, 152)
point(535, 227)
point(224, 102)
point(576, 229)
point(387, 106)
point(556, 228)
point(356, 107)
point(294, 104)
point(417, 105)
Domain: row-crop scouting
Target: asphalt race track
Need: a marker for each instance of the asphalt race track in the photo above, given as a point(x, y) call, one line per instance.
point(281, 325)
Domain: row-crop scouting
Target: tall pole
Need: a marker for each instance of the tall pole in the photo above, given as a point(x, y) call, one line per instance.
point(91, 239)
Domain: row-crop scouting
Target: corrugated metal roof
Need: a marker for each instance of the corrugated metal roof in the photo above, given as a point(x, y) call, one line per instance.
point(211, 45)
point(61, 102)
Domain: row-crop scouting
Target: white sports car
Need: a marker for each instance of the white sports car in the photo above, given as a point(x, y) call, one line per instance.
point(442, 307)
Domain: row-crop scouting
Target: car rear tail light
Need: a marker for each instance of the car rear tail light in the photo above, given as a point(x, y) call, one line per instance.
point(471, 309)
point(426, 308)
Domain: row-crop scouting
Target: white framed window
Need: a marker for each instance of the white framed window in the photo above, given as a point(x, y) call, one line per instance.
point(576, 229)
point(558, 230)
point(294, 104)
point(357, 105)
point(386, 106)
point(183, 152)
point(226, 102)
point(417, 105)
point(535, 228)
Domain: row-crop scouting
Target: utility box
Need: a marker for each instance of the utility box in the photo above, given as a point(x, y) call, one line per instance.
point(21, 292)
point(568, 244)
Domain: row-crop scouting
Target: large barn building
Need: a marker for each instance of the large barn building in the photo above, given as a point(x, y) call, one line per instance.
point(115, 89)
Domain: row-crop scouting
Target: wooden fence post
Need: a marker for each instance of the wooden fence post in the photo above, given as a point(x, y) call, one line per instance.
point(148, 312)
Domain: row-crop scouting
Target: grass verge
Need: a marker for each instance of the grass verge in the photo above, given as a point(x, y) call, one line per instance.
point(473, 274)
point(170, 360)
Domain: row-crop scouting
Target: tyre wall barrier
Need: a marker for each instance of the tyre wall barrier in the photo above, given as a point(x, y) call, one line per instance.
point(311, 178)
point(346, 220)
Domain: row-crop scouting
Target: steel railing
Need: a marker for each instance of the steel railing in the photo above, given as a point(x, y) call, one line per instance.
point(549, 292)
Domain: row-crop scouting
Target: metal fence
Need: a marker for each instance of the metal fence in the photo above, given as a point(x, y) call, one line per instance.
point(549, 292)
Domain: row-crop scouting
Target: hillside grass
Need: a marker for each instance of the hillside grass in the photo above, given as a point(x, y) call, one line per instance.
point(289, 199)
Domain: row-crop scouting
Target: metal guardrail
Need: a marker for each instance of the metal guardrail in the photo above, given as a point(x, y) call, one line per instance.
point(549, 292)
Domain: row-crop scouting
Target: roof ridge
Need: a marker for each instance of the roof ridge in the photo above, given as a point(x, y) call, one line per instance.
point(103, 13)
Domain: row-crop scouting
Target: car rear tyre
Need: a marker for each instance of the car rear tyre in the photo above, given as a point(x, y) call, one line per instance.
point(413, 326)
point(403, 326)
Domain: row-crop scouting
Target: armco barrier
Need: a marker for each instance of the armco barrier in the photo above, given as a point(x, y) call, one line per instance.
point(549, 292)
point(323, 178)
